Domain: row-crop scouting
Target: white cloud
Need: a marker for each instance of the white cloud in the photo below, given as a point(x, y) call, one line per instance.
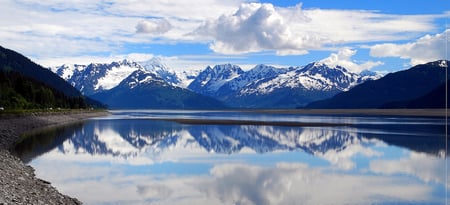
point(155, 26)
point(343, 58)
point(425, 49)
point(294, 183)
point(284, 183)
point(87, 59)
point(425, 167)
point(257, 27)
point(53, 29)
point(342, 159)
point(67, 28)
point(193, 10)
point(177, 63)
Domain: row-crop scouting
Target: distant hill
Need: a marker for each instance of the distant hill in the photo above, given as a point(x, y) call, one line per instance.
point(433, 99)
point(403, 89)
point(25, 84)
point(13, 61)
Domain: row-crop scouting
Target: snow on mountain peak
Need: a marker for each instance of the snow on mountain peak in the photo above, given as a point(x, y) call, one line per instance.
point(224, 82)
point(443, 64)
point(155, 64)
point(210, 80)
point(115, 74)
point(321, 67)
point(315, 76)
point(259, 72)
point(140, 77)
point(96, 77)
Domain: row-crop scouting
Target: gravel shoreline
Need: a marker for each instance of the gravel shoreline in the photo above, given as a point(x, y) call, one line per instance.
point(18, 183)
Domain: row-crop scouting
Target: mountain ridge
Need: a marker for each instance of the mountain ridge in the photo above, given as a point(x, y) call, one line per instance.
point(386, 92)
point(27, 85)
point(263, 86)
point(143, 89)
point(266, 86)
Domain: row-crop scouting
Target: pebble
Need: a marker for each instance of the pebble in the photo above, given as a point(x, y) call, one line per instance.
point(18, 183)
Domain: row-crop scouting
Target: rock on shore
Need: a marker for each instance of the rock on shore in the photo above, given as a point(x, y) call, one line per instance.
point(20, 186)
point(18, 183)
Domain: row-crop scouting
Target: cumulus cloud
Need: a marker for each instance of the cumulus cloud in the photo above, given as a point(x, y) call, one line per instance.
point(344, 58)
point(425, 49)
point(255, 27)
point(258, 27)
point(155, 26)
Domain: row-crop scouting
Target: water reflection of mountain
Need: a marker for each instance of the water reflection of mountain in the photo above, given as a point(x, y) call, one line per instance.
point(130, 137)
point(35, 144)
point(428, 137)
point(126, 138)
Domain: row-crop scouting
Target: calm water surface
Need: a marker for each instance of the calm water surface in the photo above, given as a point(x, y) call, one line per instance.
point(130, 157)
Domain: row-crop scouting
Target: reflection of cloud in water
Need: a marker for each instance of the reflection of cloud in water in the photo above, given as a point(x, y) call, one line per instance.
point(295, 183)
point(286, 183)
point(343, 158)
point(114, 141)
point(423, 166)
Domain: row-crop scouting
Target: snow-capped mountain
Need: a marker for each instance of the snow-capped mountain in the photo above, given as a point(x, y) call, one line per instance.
point(143, 89)
point(141, 77)
point(258, 73)
point(156, 66)
point(395, 90)
point(186, 77)
point(210, 80)
point(66, 71)
point(314, 76)
point(270, 87)
point(261, 87)
point(96, 77)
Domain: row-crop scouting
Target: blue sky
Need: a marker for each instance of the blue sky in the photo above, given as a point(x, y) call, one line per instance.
point(357, 34)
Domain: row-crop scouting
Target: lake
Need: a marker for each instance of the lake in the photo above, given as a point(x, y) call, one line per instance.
point(144, 157)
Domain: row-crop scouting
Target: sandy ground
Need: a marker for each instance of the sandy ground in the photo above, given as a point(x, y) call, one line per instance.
point(18, 183)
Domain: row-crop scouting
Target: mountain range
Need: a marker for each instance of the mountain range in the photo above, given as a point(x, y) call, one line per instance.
point(220, 86)
point(144, 89)
point(422, 86)
point(151, 84)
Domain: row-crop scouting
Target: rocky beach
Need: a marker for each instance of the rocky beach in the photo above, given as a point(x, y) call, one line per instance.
point(18, 183)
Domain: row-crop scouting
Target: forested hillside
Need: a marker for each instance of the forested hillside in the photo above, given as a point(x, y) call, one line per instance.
point(27, 85)
point(20, 92)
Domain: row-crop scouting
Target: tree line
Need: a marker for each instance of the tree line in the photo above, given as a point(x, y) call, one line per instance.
point(20, 92)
